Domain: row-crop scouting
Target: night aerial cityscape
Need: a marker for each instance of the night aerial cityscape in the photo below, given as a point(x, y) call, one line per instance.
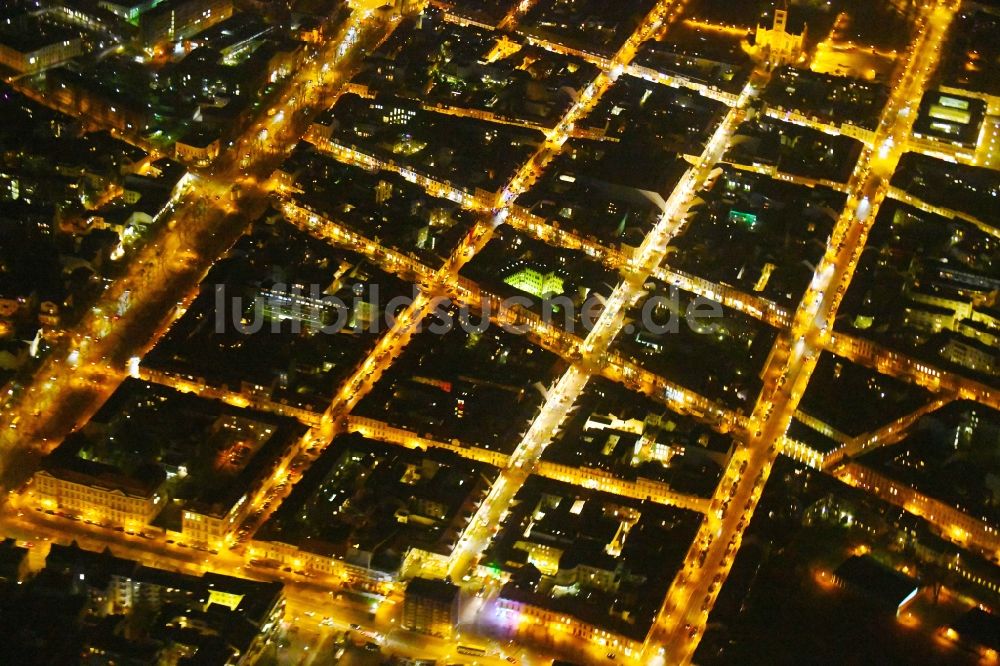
point(541, 332)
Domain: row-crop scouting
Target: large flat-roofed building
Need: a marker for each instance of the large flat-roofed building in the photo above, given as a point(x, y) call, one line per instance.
point(870, 579)
point(29, 46)
point(949, 124)
point(968, 67)
point(176, 20)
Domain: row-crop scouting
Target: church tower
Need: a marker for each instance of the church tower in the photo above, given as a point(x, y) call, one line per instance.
point(781, 18)
point(775, 43)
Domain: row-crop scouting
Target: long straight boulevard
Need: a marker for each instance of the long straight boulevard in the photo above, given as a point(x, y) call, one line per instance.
point(681, 621)
point(570, 385)
point(568, 388)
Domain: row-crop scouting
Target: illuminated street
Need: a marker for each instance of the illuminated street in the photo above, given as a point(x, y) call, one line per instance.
point(690, 599)
point(198, 224)
point(370, 332)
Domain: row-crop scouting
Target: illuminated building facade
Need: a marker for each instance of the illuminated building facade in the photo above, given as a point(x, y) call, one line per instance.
point(531, 280)
point(34, 53)
point(97, 493)
point(197, 148)
point(176, 20)
point(961, 527)
point(431, 607)
point(949, 125)
point(130, 10)
point(779, 41)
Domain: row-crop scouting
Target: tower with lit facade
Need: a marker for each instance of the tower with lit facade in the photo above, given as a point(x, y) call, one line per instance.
point(781, 43)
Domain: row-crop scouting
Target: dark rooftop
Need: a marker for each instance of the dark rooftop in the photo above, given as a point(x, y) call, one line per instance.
point(872, 578)
point(436, 590)
point(979, 627)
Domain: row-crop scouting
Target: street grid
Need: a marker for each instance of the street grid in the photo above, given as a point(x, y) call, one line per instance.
point(759, 437)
